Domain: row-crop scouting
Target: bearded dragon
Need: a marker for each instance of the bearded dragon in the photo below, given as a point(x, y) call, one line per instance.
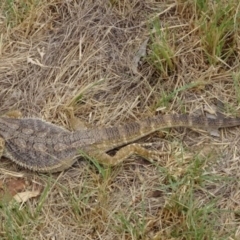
point(44, 147)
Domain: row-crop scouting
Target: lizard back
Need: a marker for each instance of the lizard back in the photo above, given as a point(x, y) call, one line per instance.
point(36, 144)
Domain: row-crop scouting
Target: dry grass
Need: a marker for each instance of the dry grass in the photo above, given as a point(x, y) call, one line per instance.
point(60, 57)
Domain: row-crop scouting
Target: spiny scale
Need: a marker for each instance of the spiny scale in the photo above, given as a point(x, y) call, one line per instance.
point(45, 147)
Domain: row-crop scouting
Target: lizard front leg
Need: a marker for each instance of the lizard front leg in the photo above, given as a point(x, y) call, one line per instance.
point(124, 153)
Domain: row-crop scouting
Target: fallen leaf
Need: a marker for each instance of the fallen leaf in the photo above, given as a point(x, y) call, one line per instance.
point(24, 196)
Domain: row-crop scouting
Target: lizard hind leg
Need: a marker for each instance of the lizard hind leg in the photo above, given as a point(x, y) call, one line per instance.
point(124, 153)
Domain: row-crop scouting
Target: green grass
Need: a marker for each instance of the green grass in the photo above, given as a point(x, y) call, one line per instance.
point(16, 221)
point(131, 223)
point(166, 97)
point(17, 11)
point(218, 31)
point(162, 52)
point(194, 219)
point(218, 24)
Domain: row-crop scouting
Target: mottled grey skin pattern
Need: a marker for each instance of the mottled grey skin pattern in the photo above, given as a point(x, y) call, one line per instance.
point(44, 147)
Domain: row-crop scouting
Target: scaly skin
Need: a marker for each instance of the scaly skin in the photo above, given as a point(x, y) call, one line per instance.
point(45, 147)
